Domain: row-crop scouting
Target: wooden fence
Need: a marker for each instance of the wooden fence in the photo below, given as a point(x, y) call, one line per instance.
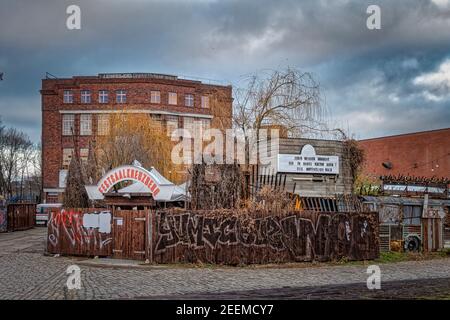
point(21, 216)
point(215, 236)
point(3, 218)
point(226, 238)
point(80, 232)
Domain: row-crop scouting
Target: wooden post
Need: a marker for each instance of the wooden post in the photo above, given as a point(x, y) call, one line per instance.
point(150, 235)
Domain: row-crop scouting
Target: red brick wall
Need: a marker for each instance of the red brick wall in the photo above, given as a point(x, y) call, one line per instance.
point(419, 154)
point(138, 98)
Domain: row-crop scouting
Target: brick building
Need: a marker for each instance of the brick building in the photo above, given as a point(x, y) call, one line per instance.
point(419, 154)
point(79, 107)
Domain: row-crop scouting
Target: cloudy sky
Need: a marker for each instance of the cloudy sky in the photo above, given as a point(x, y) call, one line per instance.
point(375, 82)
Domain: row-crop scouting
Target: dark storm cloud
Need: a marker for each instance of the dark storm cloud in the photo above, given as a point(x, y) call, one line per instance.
point(368, 77)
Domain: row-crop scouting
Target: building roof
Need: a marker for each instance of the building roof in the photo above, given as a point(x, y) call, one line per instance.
point(406, 201)
point(407, 134)
point(142, 76)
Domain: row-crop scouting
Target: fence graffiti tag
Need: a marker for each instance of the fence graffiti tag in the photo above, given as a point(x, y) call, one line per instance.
point(321, 236)
point(67, 229)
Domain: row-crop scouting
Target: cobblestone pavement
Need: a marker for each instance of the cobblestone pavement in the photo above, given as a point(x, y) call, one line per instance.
point(25, 273)
point(438, 288)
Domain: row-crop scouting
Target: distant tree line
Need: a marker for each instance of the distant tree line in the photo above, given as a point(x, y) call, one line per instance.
point(20, 165)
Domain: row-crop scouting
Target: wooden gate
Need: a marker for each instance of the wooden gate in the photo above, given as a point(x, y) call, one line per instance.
point(433, 237)
point(130, 234)
point(21, 216)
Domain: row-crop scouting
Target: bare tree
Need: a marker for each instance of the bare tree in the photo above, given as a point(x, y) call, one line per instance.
point(15, 151)
point(289, 98)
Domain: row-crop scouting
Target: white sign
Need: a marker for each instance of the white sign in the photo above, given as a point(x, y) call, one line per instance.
point(308, 162)
point(62, 178)
point(101, 220)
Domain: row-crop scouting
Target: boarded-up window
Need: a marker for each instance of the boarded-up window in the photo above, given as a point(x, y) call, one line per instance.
point(172, 98)
point(84, 153)
point(67, 157)
point(205, 102)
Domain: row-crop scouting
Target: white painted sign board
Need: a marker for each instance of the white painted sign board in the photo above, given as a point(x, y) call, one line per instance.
point(308, 162)
point(62, 178)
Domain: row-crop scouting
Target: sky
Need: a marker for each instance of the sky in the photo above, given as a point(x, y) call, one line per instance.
point(374, 82)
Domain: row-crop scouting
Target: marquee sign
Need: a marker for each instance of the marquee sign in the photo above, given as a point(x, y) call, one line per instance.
point(123, 173)
point(308, 162)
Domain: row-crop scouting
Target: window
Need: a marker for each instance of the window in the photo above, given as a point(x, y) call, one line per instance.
point(155, 97)
point(84, 153)
point(189, 100)
point(67, 157)
point(85, 124)
point(206, 123)
point(68, 96)
point(85, 96)
point(412, 215)
point(172, 98)
point(156, 122)
point(102, 124)
point(121, 96)
point(68, 124)
point(171, 123)
point(205, 102)
point(103, 96)
point(188, 124)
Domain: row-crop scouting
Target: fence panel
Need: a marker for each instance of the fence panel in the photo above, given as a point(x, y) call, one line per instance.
point(21, 216)
point(225, 237)
point(84, 232)
point(3, 219)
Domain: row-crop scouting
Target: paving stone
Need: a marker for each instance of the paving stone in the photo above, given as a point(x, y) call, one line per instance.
point(27, 274)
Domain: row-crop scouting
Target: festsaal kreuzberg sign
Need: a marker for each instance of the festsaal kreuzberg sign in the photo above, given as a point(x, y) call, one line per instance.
point(308, 162)
point(127, 173)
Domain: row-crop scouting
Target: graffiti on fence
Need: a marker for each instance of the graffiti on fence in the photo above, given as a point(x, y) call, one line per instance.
point(70, 229)
point(320, 236)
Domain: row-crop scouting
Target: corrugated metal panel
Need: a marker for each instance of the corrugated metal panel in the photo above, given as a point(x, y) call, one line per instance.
point(406, 201)
point(385, 238)
point(446, 237)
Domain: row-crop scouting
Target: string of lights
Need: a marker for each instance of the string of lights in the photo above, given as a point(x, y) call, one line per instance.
point(417, 165)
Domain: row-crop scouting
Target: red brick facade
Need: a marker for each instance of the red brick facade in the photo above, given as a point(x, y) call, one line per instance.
point(138, 89)
point(420, 154)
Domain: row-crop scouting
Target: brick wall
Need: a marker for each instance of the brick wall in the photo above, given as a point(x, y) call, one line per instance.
point(419, 154)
